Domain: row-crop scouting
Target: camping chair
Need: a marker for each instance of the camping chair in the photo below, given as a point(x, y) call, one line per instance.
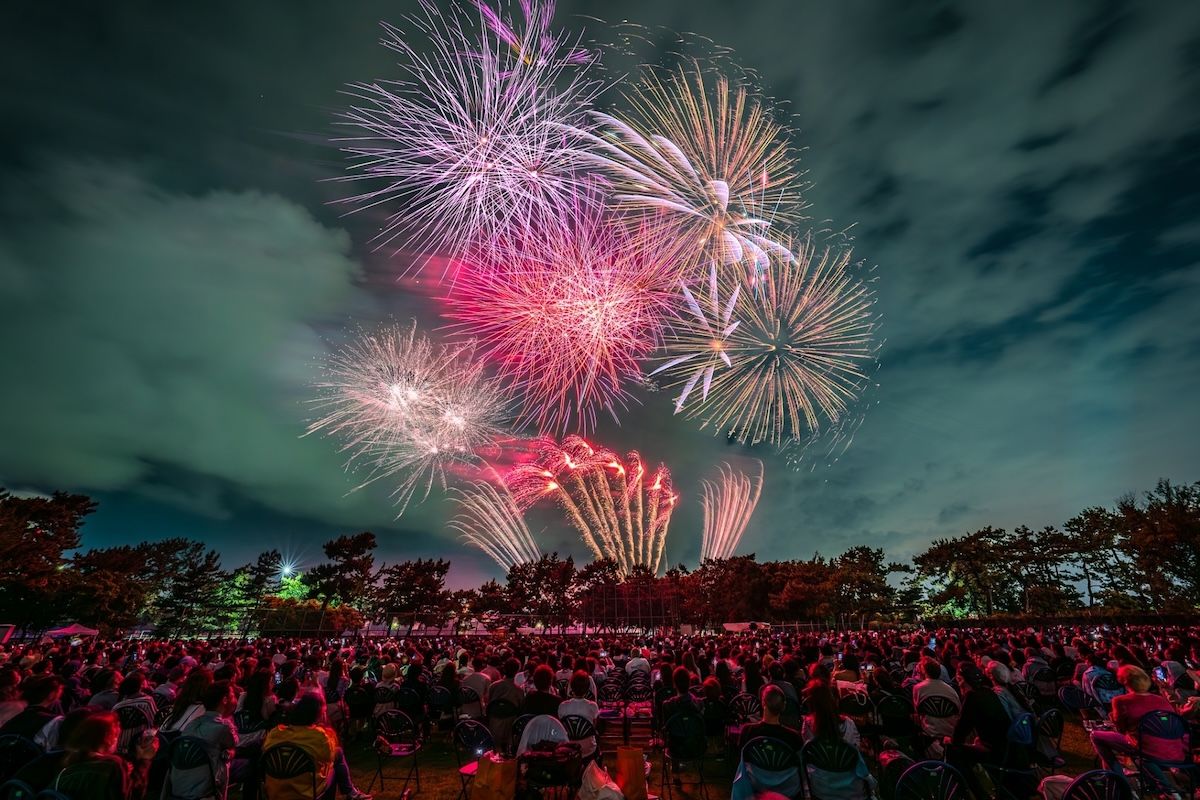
point(285, 762)
point(683, 741)
point(931, 780)
point(399, 738)
point(471, 740)
point(1050, 731)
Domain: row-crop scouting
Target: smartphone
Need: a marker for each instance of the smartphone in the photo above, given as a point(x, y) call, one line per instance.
point(1160, 674)
point(869, 667)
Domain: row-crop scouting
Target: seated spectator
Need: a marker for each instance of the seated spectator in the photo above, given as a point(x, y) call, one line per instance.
point(165, 692)
point(306, 728)
point(1014, 703)
point(1127, 711)
point(104, 689)
point(1098, 672)
point(579, 706)
point(91, 768)
point(188, 705)
point(542, 700)
point(41, 772)
point(41, 694)
point(681, 700)
point(824, 722)
point(216, 729)
point(505, 689)
point(932, 685)
point(773, 704)
point(980, 735)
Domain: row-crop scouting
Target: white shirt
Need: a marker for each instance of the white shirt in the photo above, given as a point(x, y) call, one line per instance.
point(580, 707)
point(637, 662)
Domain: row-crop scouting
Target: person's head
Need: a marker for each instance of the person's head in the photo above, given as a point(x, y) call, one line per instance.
point(309, 709)
point(1000, 674)
point(219, 698)
point(104, 681)
point(970, 677)
point(543, 678)
point(1134, 679)
point(773, 702)
point(822, 707)
point(681, 679)
point(132, 686)
point(581, 684)
point(66, 728)
point(930, 668)
point(511, 668)
point(41, 690)
point(712, 688)
point(95, 734)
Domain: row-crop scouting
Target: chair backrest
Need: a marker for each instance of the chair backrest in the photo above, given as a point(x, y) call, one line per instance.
point(1107, 682)
point(831, 754)
point(1021, 731)
point(745, 707)
point(245, 723)
point(14, 789)
point(1050, 724)
point(1099, 784)
point(395, 725)
point(384, 694)
point(285, 761)
point(938, 707)
point(16, 752)
point(440, 698)
point(578, 728)
point(132, 718)
point(1074, 698)
point(1064, 671)
point(467, 695)
point(472, 739)
point(518, 726)
point(931, 780)
point(685, 736)
point(637, 692)
point(611, 694)
point(766, 752)
point(1043, 675)
point(409, 701)
point(501, 709)
point(189, 752)
point(1162, 725)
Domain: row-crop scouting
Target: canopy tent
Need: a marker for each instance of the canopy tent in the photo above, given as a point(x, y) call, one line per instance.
point(74, 629)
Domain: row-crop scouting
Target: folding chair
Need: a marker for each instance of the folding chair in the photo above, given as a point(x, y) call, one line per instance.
point(1164, 725)
point(832, 756)
point(471, 740)
point(16, 752)
point(683, 741)
point(399, 739)
point(14, 789)
point(1099, 784)
point(770, 754)
point(187, 753)
point(285, 762)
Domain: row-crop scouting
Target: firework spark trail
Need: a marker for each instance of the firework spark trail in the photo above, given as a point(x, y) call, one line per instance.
point(728, 504)
point(566, 312)
point(474, 136)
point(800, 354)
point(489, 519)
point(606, 498)
point(706, 165)
point(407, 409)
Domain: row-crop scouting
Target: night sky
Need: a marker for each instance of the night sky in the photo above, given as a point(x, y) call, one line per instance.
point(1024, 176)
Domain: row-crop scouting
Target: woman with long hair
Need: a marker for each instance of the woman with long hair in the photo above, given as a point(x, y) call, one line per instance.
point(188, 706)
point(92, 770)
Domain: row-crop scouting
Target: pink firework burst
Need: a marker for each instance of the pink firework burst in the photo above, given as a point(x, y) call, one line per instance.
point(565, 312)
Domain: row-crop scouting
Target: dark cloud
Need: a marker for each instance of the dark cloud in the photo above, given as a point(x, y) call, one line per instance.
point(1023, 174)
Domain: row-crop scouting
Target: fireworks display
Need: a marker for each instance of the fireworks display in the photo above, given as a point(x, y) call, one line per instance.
point(566, 313)
point(703, 162)
point(799, 355)
point(621, 510)
point(470, 139)
point(728, 504)
point(596, 239)
point(407, 409)
point(489, 519)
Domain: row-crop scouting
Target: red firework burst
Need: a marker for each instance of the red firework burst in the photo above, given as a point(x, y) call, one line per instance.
point(566, 312)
